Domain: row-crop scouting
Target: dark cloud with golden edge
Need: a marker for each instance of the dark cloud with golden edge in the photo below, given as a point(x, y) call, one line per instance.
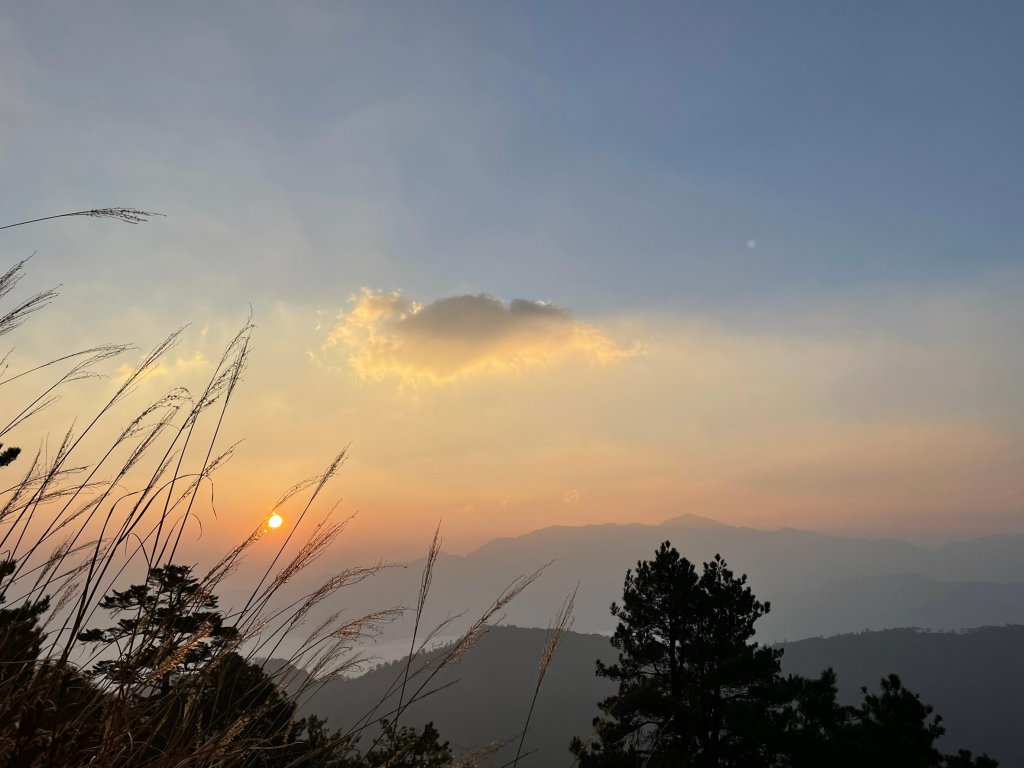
point(389, 336)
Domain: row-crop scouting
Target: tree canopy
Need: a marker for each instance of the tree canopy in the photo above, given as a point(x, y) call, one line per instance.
point(691, 681)
point(695, 689)
point(168, 625)
point(172, 675)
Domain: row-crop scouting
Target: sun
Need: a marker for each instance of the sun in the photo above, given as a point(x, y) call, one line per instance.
point(275, 521)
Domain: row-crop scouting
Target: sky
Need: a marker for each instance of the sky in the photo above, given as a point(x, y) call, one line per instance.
point(548, 263)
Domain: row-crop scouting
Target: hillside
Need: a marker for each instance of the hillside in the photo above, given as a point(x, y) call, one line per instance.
point(973, 679)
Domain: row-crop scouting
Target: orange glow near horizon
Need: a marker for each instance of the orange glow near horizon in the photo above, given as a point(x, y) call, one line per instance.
point(767, 431)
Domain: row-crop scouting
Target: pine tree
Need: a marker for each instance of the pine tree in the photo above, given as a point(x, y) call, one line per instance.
point(694, 689)
point(895, 729)
point(169, 626)
point(405, 747)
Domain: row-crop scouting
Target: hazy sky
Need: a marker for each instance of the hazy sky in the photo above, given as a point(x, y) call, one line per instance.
point(552, 263)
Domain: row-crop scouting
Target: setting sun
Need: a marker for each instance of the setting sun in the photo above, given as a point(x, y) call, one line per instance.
point(275, 521)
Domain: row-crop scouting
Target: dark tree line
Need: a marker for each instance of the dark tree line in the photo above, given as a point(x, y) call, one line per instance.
point(167, 674)
point(696, 690)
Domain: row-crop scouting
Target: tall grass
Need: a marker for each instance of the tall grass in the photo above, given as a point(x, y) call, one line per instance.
point(78, 523)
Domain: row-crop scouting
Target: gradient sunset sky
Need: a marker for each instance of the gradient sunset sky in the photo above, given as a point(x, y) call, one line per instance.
point(547, 262)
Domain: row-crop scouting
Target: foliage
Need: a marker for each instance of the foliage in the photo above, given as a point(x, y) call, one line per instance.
point(405, 747)
point(813, 723)
point(8, 455)
point(695, 690)
point(22, 639)
point(169, 627)
point(895, 728)
point(213, 700)
point(692, 684)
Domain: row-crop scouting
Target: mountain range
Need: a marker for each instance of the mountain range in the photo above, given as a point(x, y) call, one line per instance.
point(817, 584)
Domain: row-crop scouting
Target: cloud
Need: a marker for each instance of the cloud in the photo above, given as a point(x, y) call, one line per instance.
point(389, 336)
point(178, 368)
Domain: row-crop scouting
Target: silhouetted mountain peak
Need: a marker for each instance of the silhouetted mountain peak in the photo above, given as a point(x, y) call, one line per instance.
point(694, 521)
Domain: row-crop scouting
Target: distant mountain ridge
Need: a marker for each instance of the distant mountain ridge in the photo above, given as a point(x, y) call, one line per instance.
point(818, 584)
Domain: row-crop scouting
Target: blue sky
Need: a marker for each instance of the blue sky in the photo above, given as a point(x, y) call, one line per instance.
point(582, 152)
point(775, 174)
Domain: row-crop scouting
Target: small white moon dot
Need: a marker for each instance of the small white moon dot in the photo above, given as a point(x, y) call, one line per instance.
point(751, 244)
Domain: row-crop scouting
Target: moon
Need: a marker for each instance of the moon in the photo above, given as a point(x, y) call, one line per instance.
point(275, 521)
